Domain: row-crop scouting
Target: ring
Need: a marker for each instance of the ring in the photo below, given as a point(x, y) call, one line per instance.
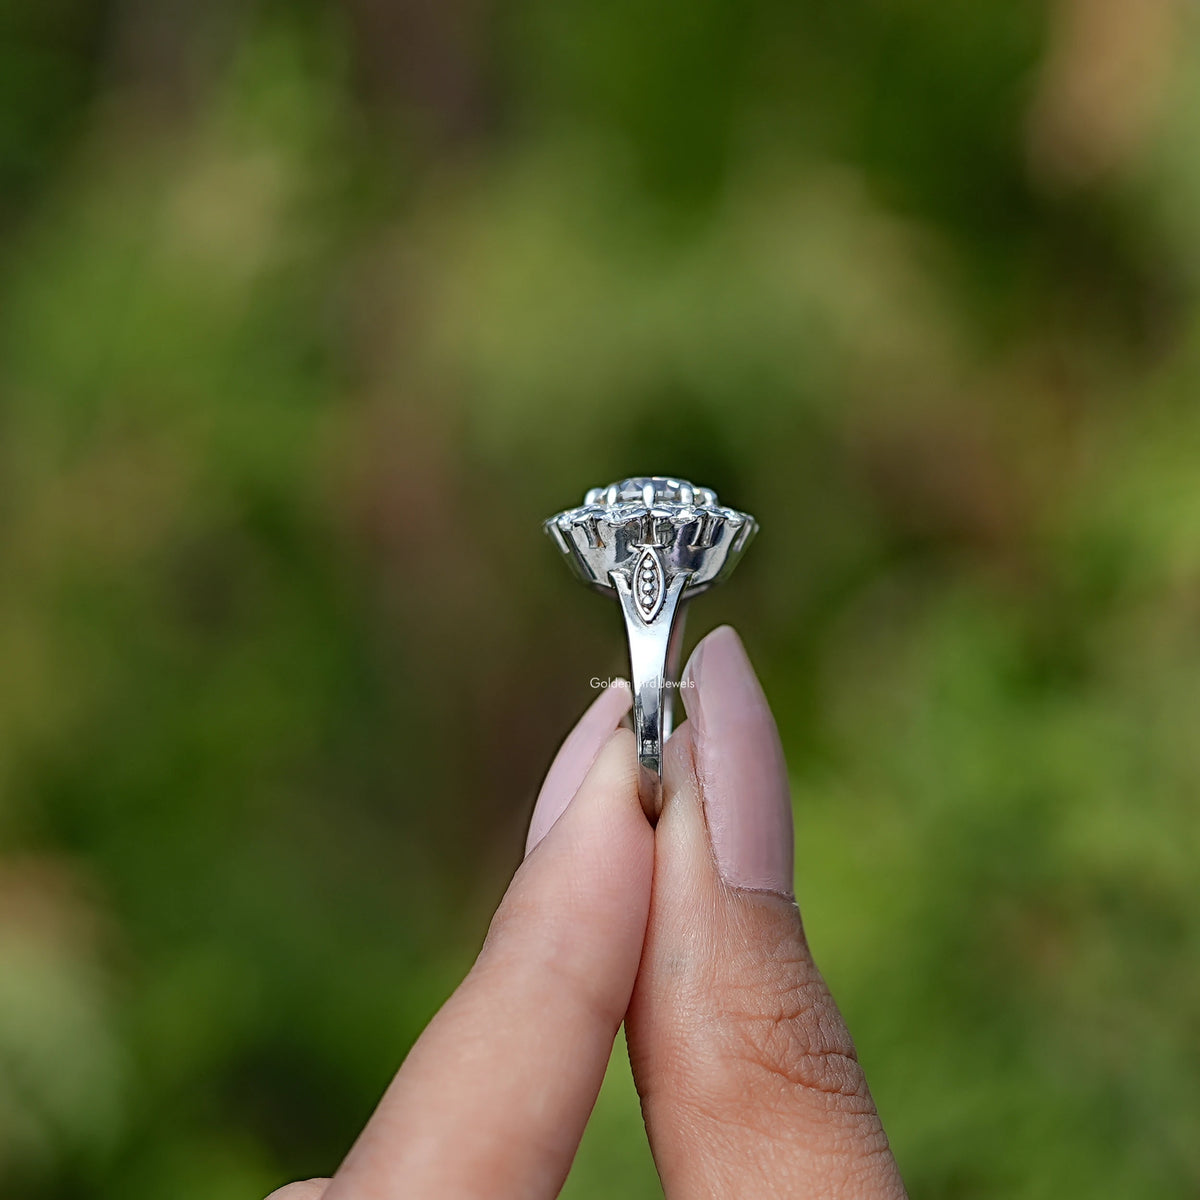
point(655, 542)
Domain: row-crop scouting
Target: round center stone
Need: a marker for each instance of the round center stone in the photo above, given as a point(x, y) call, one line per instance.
point(651, 490)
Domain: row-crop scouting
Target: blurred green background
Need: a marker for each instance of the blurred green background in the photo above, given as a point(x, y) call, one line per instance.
point(292, 294)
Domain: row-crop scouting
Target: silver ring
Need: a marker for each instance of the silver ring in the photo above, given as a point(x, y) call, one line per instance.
point(655, 542)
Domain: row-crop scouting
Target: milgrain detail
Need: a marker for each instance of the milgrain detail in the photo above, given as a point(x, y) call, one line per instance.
point(648, 585)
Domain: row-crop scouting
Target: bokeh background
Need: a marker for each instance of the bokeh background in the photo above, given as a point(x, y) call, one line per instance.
point(310, 312)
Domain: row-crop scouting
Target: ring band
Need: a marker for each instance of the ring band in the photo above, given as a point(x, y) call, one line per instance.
point(655, 542)
point(654, 651)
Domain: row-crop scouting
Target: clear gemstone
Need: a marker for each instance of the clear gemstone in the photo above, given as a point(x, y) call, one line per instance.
point(650, 490)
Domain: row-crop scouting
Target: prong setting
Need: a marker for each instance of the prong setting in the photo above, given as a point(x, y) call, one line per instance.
point(695, 535)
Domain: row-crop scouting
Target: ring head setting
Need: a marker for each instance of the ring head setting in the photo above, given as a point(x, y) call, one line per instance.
point(648, 531)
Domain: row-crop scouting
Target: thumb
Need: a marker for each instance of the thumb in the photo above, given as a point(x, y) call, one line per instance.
point(749, 1079)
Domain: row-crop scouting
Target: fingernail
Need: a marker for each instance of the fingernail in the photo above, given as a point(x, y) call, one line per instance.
point(740, 764)
point(575, 757)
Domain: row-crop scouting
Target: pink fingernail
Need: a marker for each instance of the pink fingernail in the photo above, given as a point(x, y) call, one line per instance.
point(741, 767)
point(575, 757)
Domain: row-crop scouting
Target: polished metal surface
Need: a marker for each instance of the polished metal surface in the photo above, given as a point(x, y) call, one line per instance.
point(655, 542)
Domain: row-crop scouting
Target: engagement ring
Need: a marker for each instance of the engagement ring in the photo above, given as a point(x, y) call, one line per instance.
point(655, 542)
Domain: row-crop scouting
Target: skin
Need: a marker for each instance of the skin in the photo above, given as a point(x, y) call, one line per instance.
point(749, 1082)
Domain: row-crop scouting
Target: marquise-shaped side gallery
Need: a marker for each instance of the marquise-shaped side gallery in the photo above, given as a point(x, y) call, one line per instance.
point(648, 586)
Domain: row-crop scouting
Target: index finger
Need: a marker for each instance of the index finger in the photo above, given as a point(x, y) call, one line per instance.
point(493, 1098)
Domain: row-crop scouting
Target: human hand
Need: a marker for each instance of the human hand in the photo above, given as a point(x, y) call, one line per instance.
point(749, 1082)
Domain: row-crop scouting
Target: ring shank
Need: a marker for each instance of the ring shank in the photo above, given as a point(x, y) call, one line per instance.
point(654, 652)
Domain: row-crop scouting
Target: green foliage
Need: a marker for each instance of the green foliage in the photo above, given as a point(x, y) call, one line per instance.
point(288, 293)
